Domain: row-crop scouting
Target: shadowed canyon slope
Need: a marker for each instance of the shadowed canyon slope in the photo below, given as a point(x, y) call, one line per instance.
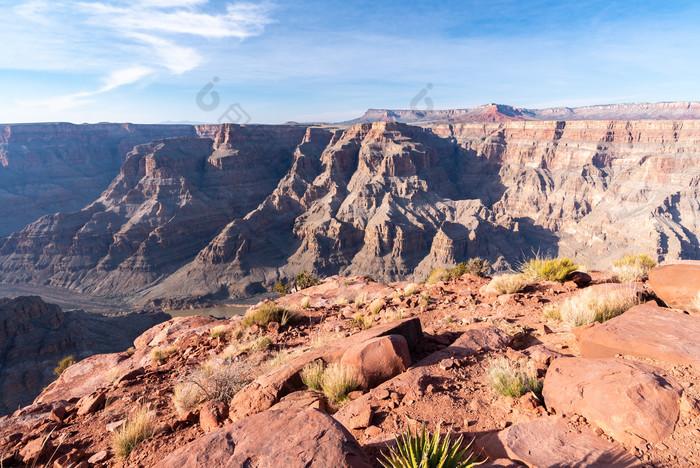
point(232, 211)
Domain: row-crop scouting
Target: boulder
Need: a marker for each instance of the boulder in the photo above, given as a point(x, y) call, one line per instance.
point(377, 360)
point(678, 285)
point(630, 401)
point(269, 388)
point(646, 331)
point(302, 399)
point(91, 403)
point(321, 443)
point(580, 278)
point(212, 415)
point(548, 442)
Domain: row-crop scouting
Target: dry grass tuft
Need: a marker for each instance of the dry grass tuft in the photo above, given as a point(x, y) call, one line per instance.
point(360, 300)
point(376, 306)
point(590, 306)
point(138, 428)
point(631, 268)
point(188, 396)
point(411, 289)
point(63, 364)
point(218, 331)
point(306, 302)
point(363, 322)
point(513, 379)
point(312, 374)
point(338, 381)
point(508, 283)
point(267, 313)
point(160, 354)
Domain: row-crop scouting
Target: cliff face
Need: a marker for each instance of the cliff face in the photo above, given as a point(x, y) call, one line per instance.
point(51, 167)
point(237, 209)
point(35, 335)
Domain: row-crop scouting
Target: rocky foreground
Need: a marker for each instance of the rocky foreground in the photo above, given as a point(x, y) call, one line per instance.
point(622, 393)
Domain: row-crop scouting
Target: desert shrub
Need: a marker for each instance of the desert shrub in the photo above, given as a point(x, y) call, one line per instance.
point(302, 281)
point(266, 313)
point(410, 289)
point(632, 268)
point(551, 311)
point(63, 364)
point(376, 306)
point(218, 331)
point(230, 352)
point(281, 357)
point(545, 268)
point(362, 321)
point(512, 379)
point(263, 343)
point(360, 300)
point(312, 374)
point(288, 317)
point(342, 301)
point(338, 381)
point(474, 266)
point(221, 381)
point(508, 283)
point(421, 450)
point(138, 428)
point(160, 354)
point(187, 396)
point(590, 306)
point(306, 302)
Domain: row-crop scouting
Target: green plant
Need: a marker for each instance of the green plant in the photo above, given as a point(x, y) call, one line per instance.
point(376, 306)
point(632, 268)
point(436, 275)
point(302, 281)
point(338, 381)
point(263, 343)
point(362, 321)
point(508, 283)
point(590, 306)
point(476, 266)
point(545, 268)
point(512, 379)
point(63, 364)
point(266, 313)
point(312, 374)
point(160, 354)
point(136, 429)
point(421, 450)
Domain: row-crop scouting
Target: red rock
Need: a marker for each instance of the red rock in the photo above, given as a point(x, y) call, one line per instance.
point(58, 413)
point(99, 457)
point(91, 403)
point(361, 418)
point(378, 359)
point(373, 431)
point(212, 415)
point(273, 327)
point(111, 427)
point(547, 442)
point(628, 400)
point(302, 399)
point(646, 331)
point(580, 278)
point(678, 285)
point(380, 393)
point(36, 451)
point(447, 364)
point(129, 376)
point(69, 460)
point(322, 443)
point(508, 299)
point(354, 395)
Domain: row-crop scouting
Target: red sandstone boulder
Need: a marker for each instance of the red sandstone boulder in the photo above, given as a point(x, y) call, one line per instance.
point(678, 285)
point(628, 400)
point(646, 331)
point(273, 439)
point(91, 403)
point(212, 415)
point(379, 359)
point(548, 442)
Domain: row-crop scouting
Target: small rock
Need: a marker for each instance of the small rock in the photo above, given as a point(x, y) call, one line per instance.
point(508, 299)
point(363, 418)
point(91, 403)
point(99, 457)
point(212, 415)
point(544, 330)
point(355, 394)
point(380, 393)
point(111, 427)
point(446, 364)
point(36, 450)
point(528, 401)
point(373, 431)
point(273, 327)
point(690, 407)
point(69, 460)
point(514, 355)
point(580, 278)
point(129, 376)
point(58, 413)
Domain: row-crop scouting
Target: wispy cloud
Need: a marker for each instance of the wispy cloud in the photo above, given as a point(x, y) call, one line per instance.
point(124, 41)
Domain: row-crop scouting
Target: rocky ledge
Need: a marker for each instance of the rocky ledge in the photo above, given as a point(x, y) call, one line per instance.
point(622, 393)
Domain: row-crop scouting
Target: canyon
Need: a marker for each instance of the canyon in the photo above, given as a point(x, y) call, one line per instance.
point(211, 212)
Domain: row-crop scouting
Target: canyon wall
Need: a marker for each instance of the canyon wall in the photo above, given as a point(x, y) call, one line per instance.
point(239, 207)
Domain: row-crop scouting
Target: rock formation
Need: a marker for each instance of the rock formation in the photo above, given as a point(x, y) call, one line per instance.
point(34, 336)
point(235, 211)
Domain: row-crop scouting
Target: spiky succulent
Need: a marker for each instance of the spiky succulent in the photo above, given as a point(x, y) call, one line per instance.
point(423, 450)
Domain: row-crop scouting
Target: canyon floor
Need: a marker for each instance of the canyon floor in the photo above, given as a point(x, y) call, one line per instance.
point(604, 402)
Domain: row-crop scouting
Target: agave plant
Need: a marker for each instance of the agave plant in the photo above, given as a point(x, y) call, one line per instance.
point(422, 450)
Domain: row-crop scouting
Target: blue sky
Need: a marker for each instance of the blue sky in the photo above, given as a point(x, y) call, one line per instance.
point(146, 61)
